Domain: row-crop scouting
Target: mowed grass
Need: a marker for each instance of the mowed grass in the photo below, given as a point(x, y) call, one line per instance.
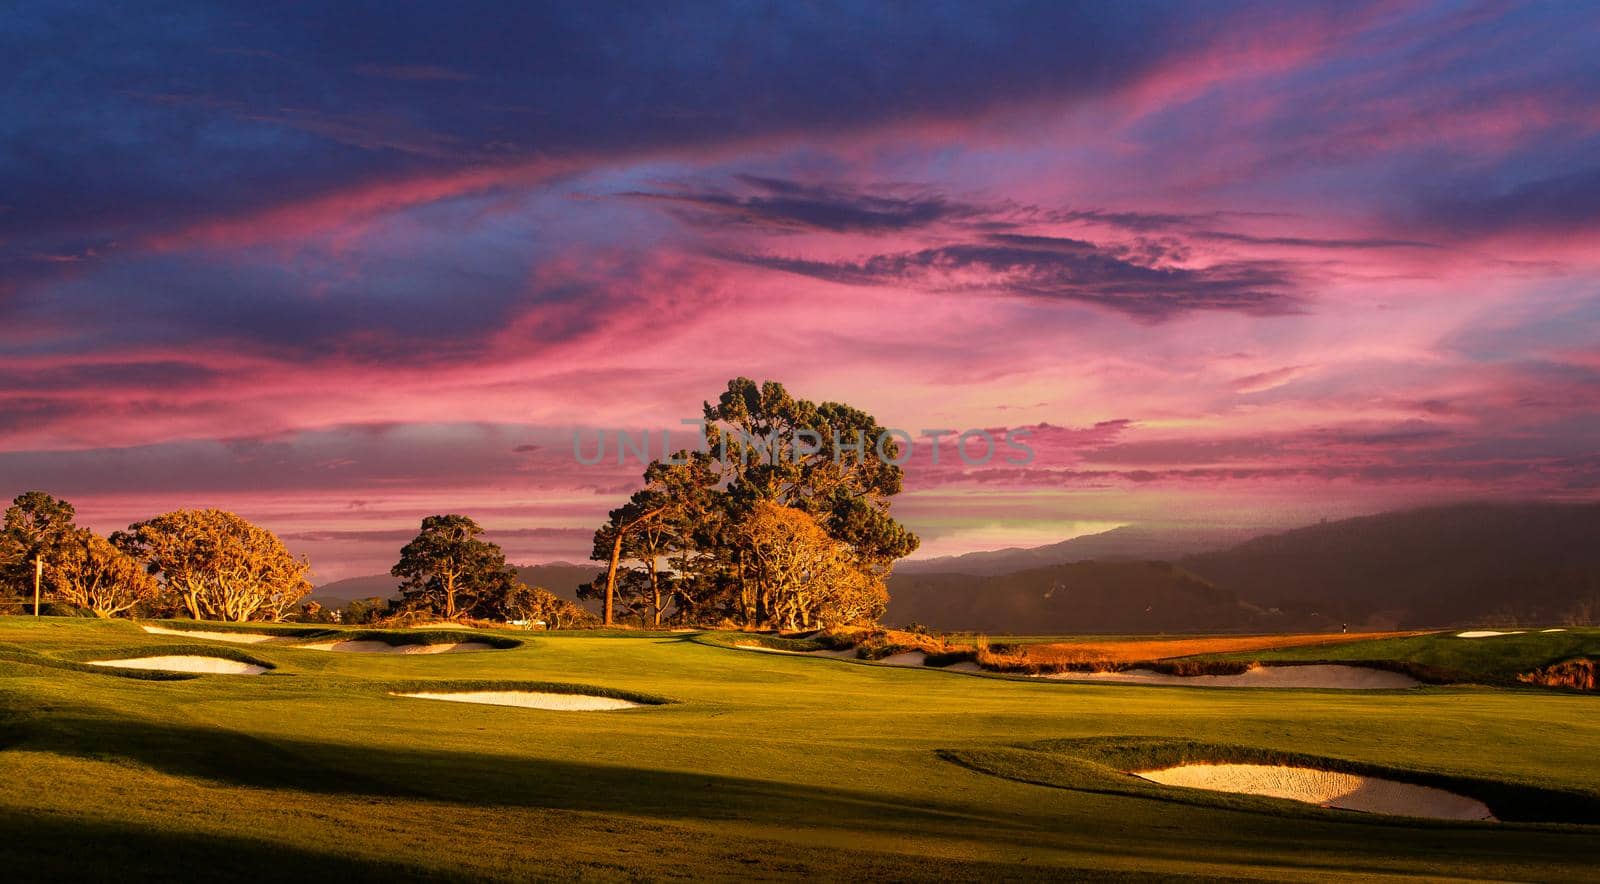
point(763, 766)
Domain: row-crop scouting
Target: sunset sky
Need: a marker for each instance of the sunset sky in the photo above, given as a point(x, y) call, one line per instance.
point(1233, 264)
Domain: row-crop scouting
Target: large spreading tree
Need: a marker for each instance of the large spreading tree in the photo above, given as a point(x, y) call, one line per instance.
point(700, 512)
point(95, 576)
point(219, 565)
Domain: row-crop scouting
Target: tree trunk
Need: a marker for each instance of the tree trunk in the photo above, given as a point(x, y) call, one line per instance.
point(616, 557)
point(38, 575)
point(655, 591)
point(611, 574)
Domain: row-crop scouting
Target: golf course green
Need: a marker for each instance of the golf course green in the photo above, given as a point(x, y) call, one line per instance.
point(745, 765)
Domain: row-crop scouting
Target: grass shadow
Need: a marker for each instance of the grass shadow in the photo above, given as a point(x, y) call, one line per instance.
point(51, 849)
point(479, 779)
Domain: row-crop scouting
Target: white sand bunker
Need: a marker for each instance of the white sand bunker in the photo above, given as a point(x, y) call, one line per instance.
point(187, 663)
point(377, 647)
point(1485, 633)
point(1557, 629)
point(908, 658)
point(240, 638)
point(532, 700)
point(1348, 678)
point(1324, 788)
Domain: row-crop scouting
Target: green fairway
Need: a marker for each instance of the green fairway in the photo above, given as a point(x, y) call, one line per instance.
point(757, 765)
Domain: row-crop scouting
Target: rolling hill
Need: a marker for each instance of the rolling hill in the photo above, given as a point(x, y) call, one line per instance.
point(1463, 564)
point(1124, 597)
point(1533, 563)
point(1128, 543)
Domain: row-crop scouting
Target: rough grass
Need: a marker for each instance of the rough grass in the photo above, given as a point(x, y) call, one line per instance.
point(764, 640)
point(870, 645)
point(310, 634)
point(1078, 654)
point(26, 657)
point(1576, 674)
point(287, 630)
point(768, 766)
point(400, 638)
point(78, 660)
point(208, 649)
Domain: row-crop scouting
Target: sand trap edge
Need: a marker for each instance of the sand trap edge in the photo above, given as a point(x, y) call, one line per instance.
point(83, 659)
point(373, 646)
point(549, 701)
point(1101, 764)
point(239, 637)
point(405, 689)
point(1334, 790)
point(197, 664)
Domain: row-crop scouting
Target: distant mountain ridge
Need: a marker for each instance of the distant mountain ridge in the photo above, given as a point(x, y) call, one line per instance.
point(1130, 542)
point(1501, 562)
point(1113, 596)
point(1465, 564)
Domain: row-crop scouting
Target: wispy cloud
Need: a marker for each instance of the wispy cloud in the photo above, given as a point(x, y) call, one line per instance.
point(1060, 269)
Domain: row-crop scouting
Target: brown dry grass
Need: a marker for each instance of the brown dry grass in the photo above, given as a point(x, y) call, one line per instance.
point(1579, 674)
point(1097, 653)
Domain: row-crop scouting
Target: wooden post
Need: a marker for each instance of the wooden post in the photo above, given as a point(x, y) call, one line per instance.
point(38, 574)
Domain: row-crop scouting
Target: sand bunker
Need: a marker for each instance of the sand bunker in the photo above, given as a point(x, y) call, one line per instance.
point(376, 647)
point(1315, 676)
point(209, 665)
point(1557, 629)
point(533, 700)
point(1324, 788)
point(1486, 633)
point(240, 638)
point(909, 658)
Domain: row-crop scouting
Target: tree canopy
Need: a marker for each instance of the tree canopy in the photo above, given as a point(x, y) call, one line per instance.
point(449, 570)
point(220, 566)
point(93, 575)
point(36, 527)
point(702, 537)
